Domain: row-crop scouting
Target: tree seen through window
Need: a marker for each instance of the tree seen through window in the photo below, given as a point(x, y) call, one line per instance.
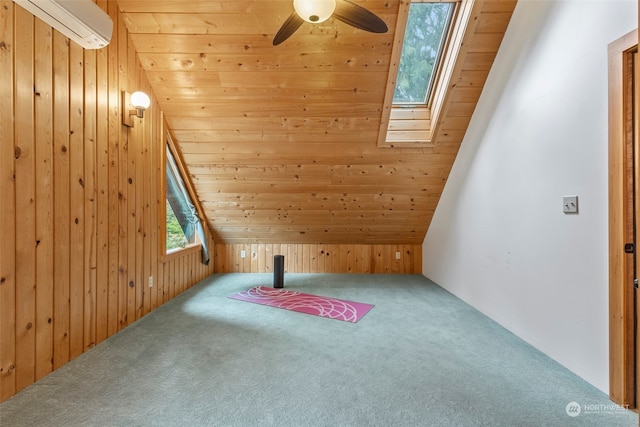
point(175, 235)
point(424, 38)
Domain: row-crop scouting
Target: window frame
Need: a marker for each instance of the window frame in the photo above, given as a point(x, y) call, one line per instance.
point(416, 125)
point(168, 255)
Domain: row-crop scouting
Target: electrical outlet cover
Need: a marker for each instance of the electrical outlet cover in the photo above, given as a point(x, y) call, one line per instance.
point(570, 204)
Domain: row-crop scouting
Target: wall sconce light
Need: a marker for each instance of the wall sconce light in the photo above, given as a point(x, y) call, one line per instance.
point(133, 104)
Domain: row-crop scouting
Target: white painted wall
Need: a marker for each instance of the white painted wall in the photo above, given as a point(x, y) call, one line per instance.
point(499, 239)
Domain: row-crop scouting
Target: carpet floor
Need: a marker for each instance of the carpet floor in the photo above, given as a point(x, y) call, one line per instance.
point(421, 357)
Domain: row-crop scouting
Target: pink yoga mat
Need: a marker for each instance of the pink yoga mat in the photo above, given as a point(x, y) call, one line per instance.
point(332, 308)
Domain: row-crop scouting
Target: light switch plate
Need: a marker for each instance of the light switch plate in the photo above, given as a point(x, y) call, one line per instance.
point(570, 204)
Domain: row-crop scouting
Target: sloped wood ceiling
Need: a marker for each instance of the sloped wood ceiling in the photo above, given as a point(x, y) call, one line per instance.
point(280, 141)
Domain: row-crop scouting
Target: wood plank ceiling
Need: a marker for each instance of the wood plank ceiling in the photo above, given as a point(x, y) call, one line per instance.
point(281, 141)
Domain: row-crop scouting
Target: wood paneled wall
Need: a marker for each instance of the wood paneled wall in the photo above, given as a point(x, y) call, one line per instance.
point(319, 258)
point(79, 199)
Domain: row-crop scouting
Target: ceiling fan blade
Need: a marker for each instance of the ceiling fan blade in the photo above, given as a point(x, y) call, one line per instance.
point(289, 27)
point(359, 17)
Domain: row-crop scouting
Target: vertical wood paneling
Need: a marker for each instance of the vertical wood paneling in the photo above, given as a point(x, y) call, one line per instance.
point(335, 258)
point(145, 218)
point(44, 198)
point(76, 200)
point(25, 200)
point(262, 260)
point(8, 211)
point(313, 258)
point(155, 198)
point(254, 257)
point(290, 258)
point(88, 191)
point(90, 195)
point(246, 261)
point(350, 257)
point(320, 258)
point(363, 259)
point(177, 276)
point(140, 278)
point(216, 261)
point(103, 195)
point(151, 204)
point(172, 279)
point(127, 188)
point(299, 254)
point(61, 258)
point(180, 273)
point(135, 175)
point(167, 281)
point(184, 269)
point(164, 283)
point(268, 258)
point(377, 259)
point(114, 227)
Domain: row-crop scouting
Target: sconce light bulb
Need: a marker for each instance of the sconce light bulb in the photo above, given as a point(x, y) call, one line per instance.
point(140, 100)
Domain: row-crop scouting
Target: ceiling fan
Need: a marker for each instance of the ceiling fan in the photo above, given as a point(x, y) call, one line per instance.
point(316, 11)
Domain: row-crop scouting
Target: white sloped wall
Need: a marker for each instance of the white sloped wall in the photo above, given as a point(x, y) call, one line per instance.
point(499, 239)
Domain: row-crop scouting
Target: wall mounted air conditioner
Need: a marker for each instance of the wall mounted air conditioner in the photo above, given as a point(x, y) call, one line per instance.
point(81, 20)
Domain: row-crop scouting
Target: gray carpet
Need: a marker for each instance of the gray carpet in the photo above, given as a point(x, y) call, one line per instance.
point(420, 357)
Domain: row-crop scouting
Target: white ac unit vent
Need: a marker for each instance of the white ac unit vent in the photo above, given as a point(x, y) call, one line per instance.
point(81, 20)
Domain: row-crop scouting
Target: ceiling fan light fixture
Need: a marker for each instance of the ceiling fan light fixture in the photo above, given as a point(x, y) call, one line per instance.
point(314, 11)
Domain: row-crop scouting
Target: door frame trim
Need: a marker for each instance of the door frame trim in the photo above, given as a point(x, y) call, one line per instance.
point(622, 352)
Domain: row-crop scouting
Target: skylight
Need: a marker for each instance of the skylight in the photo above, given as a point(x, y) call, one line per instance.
point(424, 40)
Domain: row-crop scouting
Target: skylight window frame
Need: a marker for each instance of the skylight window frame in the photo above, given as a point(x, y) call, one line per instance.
point(424, 119)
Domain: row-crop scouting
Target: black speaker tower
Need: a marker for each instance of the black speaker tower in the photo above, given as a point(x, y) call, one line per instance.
point(278, 271)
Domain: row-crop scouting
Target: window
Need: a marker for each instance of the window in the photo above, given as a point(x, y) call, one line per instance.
point(426, 53)
point(422, 48)
point(175, 236)
point(183, 226)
